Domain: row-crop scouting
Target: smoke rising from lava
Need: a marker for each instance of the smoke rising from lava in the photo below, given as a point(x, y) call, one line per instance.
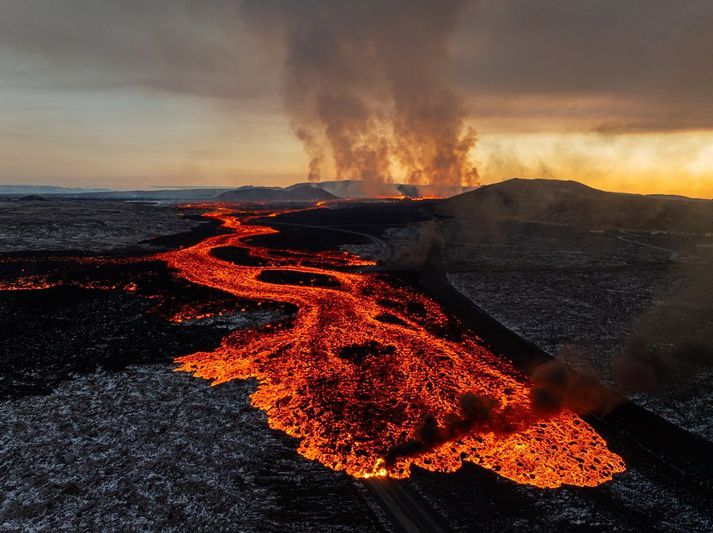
point(477, 413)
point(556, 386)
point(366, 89)
point(671, 345)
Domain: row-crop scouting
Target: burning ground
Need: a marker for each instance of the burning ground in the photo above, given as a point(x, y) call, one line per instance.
point(363, 363)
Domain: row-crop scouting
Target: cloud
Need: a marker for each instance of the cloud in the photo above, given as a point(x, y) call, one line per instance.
point(606, 65)
point(641, 64)
point(195, 48)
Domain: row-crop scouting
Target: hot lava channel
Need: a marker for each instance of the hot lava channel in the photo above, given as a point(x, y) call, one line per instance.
point(365, 378)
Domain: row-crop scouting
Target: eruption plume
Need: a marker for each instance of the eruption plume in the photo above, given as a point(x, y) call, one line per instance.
point(366, 90)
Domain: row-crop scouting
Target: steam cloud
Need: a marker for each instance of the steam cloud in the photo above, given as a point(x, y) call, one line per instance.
point(366, 90)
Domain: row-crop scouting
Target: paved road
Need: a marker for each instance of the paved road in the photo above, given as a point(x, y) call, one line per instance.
point(406, 509)
point(386, 248)
point(673, 254)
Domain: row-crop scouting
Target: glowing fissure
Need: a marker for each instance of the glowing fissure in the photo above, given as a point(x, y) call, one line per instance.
point(359, 367)
point(364, 375)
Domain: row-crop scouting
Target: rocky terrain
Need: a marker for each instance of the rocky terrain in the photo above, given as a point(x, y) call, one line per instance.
point(631, 306)
point(44, 224)
point(149, 449)
point(102, 434)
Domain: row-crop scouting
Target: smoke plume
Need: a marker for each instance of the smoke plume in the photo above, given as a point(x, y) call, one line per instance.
point(672, 343)
point(366, 89)
point(420, 252)
point(555, 386)
point(476, 413)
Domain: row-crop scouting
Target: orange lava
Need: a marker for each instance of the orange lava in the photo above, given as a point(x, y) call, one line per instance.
point(353, 374)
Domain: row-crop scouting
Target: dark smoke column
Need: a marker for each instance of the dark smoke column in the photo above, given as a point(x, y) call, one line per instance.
point(365, 87)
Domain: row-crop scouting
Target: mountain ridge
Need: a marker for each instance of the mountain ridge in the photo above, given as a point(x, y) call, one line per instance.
point(575, 204)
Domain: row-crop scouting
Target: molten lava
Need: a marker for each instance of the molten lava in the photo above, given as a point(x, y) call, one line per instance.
point(369, 375)
point(360, 366)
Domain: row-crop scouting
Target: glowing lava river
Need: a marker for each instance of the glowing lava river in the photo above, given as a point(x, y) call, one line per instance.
point(367, 375)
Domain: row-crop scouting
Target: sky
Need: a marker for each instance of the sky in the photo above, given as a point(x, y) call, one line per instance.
point(136, 94)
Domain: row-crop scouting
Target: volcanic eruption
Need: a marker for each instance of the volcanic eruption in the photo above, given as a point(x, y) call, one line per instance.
point(366, 89)
point(370, 375)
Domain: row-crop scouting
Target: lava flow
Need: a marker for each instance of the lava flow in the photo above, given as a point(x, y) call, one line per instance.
point(370, 376)
point(366, 375)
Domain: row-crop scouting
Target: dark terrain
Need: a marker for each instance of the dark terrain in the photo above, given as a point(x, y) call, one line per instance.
point(131, 445)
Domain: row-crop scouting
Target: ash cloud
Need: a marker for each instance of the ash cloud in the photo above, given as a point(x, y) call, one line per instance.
point(366, 87)
point(632, 66)
point(180, 47)
point(640, 65)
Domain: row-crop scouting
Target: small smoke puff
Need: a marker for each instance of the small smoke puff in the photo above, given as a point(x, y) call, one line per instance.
point(477, 409)
point(423, 250)
point(556, 386)
point(476, 413)
point(429, 432)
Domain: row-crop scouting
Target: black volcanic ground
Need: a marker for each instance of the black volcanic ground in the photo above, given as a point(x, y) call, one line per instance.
point(101, 434)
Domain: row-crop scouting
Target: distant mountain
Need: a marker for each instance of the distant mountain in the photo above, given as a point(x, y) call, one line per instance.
point(179, 195)
point(572, 203)
point(361, 189)
point(25, 190)
point(299, 192)
point(109, 194)
point(295, 193)
point(33, 198)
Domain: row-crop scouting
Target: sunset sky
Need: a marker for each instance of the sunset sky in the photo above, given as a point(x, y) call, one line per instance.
point(134, 94)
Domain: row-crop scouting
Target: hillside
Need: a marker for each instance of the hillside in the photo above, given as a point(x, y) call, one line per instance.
point(296, 193)
point(574, 204)
point(361, 189)
point(171, 195)
point(25, 190)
